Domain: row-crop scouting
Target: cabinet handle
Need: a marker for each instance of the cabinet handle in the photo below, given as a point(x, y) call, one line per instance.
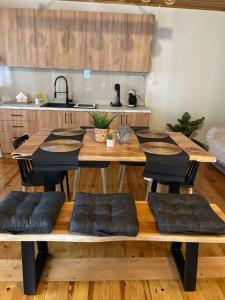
point(126, 120)
point(121, 119)
point(71, 121)
point(65, 117)
point(15, 126)
point(12, 115)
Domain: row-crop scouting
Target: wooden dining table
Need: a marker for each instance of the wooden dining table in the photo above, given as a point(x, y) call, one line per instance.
point(93, 151)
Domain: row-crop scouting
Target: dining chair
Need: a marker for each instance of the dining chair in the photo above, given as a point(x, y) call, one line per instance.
point(102, 165)
point(125, 164)
point(31, 178)
point(188, 183)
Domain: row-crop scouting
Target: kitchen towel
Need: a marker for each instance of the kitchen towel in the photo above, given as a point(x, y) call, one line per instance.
point(105, 214)
point(53, 161)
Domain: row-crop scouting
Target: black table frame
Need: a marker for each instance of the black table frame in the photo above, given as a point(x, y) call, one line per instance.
point(33, 267)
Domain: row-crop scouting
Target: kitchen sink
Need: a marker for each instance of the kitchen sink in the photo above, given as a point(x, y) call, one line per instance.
point(60, 105)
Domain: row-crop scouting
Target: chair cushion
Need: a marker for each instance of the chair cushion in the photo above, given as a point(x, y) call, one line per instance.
point(30, 212)
point(190, 214)
point(105, 214)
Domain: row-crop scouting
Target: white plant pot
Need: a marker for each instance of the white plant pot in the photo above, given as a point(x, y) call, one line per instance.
point(109, 143)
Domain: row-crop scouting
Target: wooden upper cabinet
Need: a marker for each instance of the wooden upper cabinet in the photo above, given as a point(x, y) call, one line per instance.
point(85, 40)
point(92, 55)
point(52, 38)
point(76, 40)
point(77, 29)
point(8, 37)
point(113, 44)
point(139, 43)
point(26, 42)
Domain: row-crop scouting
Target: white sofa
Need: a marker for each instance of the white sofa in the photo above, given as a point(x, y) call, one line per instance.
point(215, 139)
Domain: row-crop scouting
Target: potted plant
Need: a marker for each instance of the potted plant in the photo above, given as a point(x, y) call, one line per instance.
point(110, 140)
point(185, 125)
point(101, 123)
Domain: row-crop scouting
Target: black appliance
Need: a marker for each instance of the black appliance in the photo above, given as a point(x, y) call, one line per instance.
point(116, 101)
point(132, 98)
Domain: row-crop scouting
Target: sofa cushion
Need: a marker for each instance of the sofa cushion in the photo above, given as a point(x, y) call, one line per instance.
point(30, 212)
point(105, 214)
point(191, 214)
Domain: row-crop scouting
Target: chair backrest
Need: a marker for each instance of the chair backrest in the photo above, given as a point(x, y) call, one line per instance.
point(20, 140)
point(192, 172)
point(25, 165)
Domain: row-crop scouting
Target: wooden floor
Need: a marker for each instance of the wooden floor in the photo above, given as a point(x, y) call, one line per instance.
point(210, 183)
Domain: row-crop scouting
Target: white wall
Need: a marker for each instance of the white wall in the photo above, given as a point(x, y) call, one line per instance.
point(189, 67)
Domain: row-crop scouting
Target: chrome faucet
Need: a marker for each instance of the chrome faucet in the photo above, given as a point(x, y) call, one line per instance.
point(66, 92)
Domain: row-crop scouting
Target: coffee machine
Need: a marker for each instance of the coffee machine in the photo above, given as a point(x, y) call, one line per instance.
point(132, 98)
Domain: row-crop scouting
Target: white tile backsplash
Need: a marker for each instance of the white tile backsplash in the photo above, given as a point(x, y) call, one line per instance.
point(97, 89)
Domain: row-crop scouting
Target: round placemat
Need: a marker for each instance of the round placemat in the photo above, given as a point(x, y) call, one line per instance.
point(152, 134)
point(61, 145)
point(68, 131)
point(161, 148)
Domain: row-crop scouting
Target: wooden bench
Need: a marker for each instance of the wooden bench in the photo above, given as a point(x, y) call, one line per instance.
point(187, 266)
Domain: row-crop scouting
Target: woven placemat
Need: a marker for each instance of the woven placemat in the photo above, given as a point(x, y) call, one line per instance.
point(61, 145)
point(161, 148)
point(152, 134)
point(68, 131)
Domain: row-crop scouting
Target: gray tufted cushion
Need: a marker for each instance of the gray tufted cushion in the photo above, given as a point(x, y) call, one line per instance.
point(30, 212)
point(104, 214)
point(176, 213)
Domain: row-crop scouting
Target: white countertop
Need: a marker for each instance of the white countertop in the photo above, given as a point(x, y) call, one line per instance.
point(101, 108)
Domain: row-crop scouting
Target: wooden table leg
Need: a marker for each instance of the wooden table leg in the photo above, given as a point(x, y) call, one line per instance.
point(33, 267)
point(187, 266)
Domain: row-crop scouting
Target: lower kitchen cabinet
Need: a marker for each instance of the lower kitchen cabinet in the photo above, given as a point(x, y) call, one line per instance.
point(137, 119)
point(73, 119)
point(48, 120)
point(13, 124)
point(17, 122)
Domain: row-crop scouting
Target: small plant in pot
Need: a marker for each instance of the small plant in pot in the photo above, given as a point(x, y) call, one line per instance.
point(110, 140)
point(101, 123)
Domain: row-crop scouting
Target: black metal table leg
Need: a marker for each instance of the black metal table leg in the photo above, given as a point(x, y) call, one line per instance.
point(154, 186)
point(174, 188)
point(187, 266)
point(49, 188)
point(32, 268)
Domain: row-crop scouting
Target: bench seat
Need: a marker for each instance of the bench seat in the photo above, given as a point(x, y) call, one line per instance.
point(186, 264)
point(147, 230)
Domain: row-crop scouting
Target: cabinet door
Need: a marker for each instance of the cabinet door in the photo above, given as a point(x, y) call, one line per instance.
point(26, 43)
point(8, 37)
point(77, 119)
point(139, 39)
point(52, 38)
point(85, 40)
point(113, 44)
point(137, 119)
point(48, 120)
point(92, 54)
point(118, 121)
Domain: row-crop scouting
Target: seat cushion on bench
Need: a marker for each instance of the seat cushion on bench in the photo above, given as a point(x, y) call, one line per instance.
point(30, 212)
point(105, 214)
point(190, 214)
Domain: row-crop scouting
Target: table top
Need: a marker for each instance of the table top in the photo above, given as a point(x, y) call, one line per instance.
point(147, 230)
point(93, 151)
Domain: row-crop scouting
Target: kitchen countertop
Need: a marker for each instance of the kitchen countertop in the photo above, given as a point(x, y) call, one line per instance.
point(101, 108)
